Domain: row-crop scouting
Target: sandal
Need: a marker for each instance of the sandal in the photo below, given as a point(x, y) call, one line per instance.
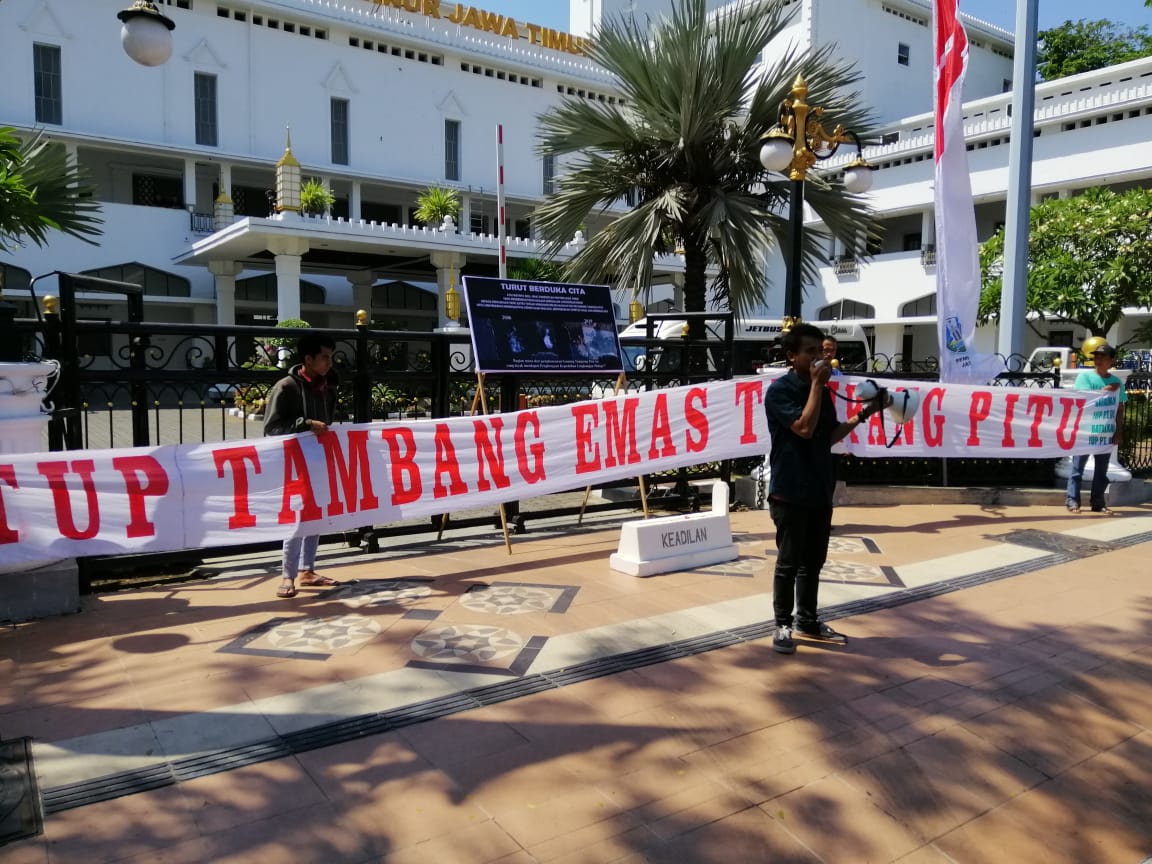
point(316, 581)
point(287, 590)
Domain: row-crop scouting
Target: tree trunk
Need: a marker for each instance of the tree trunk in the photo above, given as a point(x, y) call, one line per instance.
point(695, 300)
point(695, 283)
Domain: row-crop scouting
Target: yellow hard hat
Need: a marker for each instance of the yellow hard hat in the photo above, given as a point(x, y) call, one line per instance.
point(1091, 344)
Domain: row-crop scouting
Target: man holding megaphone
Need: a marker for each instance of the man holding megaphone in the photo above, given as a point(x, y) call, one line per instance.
point(803, 425)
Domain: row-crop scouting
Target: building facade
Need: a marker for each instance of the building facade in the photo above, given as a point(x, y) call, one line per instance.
point(382, 100)
point(1090, 130)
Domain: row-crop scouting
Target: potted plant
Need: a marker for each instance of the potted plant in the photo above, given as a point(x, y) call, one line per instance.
point(388, 400)
point(316, 199)
point(437, 204)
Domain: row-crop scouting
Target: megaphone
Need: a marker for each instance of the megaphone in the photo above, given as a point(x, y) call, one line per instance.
point(901, 405)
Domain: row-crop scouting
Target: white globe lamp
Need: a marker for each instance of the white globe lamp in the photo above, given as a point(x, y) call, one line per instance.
point(147, 33)
point(858, 176)
point(776, 151)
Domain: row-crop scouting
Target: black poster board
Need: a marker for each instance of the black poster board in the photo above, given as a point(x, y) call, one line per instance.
point(541, 327)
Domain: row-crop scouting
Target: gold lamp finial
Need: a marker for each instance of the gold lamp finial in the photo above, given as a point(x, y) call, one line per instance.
point(452, 300)
point(361, 318)
point(51, 305)
point(635, 310)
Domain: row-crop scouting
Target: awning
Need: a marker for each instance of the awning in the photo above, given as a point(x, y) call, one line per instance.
point(873, 322)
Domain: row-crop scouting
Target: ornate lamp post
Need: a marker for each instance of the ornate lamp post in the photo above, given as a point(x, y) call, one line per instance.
point(147, 33)
point(795, 145)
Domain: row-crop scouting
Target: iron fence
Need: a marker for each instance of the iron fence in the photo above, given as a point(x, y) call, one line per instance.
point(139, 383)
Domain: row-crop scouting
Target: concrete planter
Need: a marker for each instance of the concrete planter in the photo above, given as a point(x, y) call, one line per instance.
point(40, 588)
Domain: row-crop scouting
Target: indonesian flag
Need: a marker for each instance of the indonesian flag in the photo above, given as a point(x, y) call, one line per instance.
point(957, 250)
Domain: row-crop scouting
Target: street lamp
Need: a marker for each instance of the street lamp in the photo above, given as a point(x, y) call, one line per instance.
point(147, 33)
point(794, 145)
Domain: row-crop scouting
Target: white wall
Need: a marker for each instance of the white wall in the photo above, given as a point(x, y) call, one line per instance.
point(268, 80)
point(870, 35)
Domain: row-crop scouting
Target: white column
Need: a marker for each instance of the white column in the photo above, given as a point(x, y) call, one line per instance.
point(190, 185)
point(889, 339)
point(465, 214)
point(928, 228)
point(362, 283)
point(288, 252)
point(225, 181)
point(225, 273)
point(354, 200)
point(678, 291)
point(447, 266)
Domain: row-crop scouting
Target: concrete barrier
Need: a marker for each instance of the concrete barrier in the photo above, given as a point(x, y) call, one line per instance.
point(670, 543)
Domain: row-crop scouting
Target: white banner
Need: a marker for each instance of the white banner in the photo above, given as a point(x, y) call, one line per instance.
point(152, 499)
point(957, 247)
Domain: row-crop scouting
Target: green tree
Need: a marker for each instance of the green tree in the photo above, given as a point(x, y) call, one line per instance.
point(42, 189)
point(1089, 257)
point(1081, 46)
point(685, 144)
point(537, 270)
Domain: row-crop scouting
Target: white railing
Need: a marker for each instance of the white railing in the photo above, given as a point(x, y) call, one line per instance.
point(1066, 99)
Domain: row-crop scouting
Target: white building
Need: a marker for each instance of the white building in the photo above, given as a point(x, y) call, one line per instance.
point(386, 97)
point(890, 41)
point(381, 102)
point(1091, 130)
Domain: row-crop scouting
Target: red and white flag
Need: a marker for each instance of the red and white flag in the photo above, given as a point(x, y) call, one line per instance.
point(957, 249)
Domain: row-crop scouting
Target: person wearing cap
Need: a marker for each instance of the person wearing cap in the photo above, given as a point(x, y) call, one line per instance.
point(1105, 425)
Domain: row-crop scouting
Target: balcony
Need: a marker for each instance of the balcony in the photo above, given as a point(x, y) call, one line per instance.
point(928, 257)
point(202, 223)
point(847, 266)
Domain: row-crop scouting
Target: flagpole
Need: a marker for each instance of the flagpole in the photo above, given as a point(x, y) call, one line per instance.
point(1013, 297)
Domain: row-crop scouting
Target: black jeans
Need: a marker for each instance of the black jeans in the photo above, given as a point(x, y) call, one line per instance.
point(802, 540)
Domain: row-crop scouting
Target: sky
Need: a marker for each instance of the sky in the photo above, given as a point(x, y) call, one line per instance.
point(554, 13)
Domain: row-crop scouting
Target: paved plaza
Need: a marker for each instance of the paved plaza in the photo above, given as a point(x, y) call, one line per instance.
point(452, 703)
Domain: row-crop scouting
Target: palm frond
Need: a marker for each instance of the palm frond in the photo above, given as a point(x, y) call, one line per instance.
point(685, 146)
point(43, 189)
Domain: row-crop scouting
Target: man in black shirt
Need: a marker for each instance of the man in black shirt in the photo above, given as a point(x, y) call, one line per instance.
point(803, 425)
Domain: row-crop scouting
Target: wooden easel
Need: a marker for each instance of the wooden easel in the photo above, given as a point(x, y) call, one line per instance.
point(480, 400)
point(621, 386)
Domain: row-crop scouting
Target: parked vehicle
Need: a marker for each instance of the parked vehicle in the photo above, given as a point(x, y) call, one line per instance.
point(756, 344)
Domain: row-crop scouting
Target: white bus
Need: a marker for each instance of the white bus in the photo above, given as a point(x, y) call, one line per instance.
point(756, 343)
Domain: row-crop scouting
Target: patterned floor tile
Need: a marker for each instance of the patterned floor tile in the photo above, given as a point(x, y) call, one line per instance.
point(746, 567)
point(475, 648)
point(380, 592)
point(518, 598)
point(305, 638)
point(860, 574)
point(849, 545)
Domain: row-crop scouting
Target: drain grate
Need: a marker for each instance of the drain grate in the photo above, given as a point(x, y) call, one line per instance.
point(142, 780)
point(106, 788)
point(20, 812)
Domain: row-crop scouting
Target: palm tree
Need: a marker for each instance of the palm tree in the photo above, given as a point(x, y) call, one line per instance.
point(42, 189)
point(685, 147)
